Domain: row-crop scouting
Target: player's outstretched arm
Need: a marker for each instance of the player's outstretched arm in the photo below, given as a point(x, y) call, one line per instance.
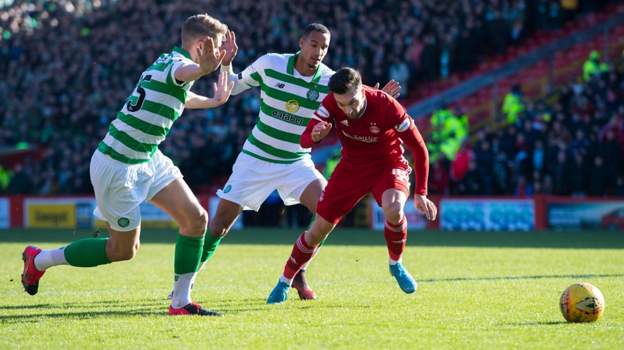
point(222, 91)
point(209, 60)
point(412, 138)
point(316, 131)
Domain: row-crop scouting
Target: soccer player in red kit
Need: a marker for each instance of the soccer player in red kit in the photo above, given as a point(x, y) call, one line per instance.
point(371, 126)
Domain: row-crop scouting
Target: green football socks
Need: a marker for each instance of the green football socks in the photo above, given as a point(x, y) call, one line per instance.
point(188, 251)
point(87, 252)
point(210, 246)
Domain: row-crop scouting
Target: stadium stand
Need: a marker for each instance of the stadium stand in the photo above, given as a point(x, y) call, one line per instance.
point(579, 131)
point(69, 65)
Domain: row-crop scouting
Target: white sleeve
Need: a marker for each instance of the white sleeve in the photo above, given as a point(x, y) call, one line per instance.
point(322, 114)
point(248, 78)
point(178, 63)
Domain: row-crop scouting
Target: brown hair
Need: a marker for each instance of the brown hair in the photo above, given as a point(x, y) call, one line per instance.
point(344, 80)
point(202, 25)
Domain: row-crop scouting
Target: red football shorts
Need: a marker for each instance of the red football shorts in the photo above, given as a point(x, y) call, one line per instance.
point(349, 184)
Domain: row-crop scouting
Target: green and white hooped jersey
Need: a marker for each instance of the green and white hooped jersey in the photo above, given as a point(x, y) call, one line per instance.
point(287, 102)
point(148, 114)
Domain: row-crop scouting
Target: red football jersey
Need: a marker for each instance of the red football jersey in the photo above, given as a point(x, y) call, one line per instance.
point(372, 138)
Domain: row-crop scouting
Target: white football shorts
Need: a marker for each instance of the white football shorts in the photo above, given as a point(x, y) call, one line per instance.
point(121, 188)
point(253, 180)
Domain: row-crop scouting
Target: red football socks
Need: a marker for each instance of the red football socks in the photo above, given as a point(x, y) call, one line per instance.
point(396, 237)
point(301, 254)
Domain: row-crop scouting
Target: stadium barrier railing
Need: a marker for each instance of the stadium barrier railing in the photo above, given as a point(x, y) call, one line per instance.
point(479, 213)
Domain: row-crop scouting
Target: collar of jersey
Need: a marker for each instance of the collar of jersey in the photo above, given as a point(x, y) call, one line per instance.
point(182, 52)
point(290, 69)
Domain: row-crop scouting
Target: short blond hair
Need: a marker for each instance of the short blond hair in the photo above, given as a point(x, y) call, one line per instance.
point(201, 25)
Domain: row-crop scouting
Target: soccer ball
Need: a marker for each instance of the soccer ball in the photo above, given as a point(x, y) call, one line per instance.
point(582, 302)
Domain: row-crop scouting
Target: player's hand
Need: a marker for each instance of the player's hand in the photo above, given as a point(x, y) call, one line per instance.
point(230, 47)
point(222, 89)
point(209, 57)
point(426, 206)
point(392, 88)
point(320, 131)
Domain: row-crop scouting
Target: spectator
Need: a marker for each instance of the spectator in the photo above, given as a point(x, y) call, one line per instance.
point(21, 182)
point(68, 66)
point(513, 104)
point(593, 66)
point(561, 176)
point(400, 72)
point(599, 178)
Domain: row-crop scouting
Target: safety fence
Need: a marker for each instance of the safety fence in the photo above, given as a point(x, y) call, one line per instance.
point(456, 213)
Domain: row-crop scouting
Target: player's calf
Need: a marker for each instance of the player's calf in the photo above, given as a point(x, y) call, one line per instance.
point(301, 253)
point(122, 252)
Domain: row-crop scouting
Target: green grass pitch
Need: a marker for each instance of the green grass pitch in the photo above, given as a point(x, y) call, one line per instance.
point(476, 291)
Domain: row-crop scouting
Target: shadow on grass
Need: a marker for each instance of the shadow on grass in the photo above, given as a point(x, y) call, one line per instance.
point(311, 305)
point(31, 313)
point(83, 310)
point(535, 323)
point(361, 237)
point(507, 278)
point(237, 306)
point(82, 314)
point(111, 303)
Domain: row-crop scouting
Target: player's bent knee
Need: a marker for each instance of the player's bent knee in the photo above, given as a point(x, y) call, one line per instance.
point(195, 224)
point(393, 212)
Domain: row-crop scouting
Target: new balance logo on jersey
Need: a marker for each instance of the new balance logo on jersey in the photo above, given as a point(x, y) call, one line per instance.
point(280, 85)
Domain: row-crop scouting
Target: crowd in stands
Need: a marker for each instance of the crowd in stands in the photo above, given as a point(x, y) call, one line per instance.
point(571, 144)
point(67, 66)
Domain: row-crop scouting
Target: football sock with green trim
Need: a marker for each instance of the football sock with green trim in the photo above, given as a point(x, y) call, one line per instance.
point(188, 252)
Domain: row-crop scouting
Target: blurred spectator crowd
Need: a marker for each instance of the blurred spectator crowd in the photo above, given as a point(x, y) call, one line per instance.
point(571, 143)
point(68, 65)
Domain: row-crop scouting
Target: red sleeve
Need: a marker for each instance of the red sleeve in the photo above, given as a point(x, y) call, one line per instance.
point(396, 111)
point(321, 114)
point(306, 137)
point(409, 134)
point(412, 139)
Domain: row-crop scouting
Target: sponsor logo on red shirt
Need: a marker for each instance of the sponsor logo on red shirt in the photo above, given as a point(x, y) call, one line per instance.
point(365, 139)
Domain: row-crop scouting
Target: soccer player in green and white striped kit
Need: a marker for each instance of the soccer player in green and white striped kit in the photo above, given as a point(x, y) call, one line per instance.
point(292, 87)
point(128, 168)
